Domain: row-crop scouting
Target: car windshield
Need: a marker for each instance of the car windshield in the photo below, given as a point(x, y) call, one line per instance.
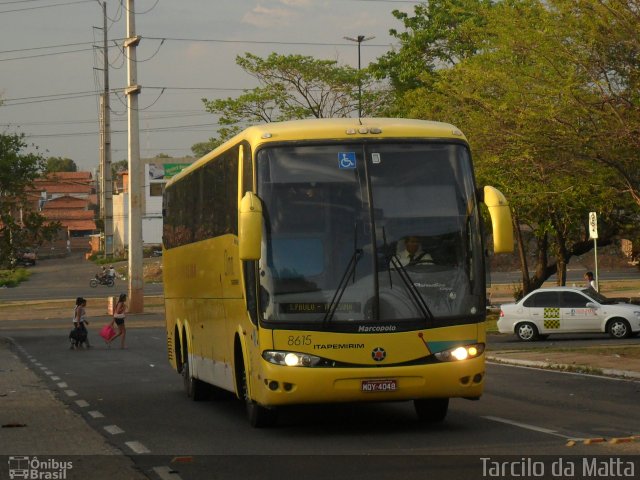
point(598, 297)
point(341, 219)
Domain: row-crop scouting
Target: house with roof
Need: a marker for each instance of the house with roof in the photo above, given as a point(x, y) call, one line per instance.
point(68, 198)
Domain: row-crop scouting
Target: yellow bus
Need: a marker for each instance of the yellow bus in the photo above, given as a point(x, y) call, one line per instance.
point(288, 276)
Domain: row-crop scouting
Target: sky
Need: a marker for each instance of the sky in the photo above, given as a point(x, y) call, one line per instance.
point(51, 71)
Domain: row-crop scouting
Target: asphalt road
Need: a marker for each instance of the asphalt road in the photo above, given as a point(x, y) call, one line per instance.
point(65, 278)
point(69, 277)
point(146, 414)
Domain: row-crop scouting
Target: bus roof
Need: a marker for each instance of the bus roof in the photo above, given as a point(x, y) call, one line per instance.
point(333, 129)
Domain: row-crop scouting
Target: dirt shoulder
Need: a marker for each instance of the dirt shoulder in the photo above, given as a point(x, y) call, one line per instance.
point(62, 309)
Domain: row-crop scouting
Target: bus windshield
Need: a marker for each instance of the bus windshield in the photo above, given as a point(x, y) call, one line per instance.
point(359, 233)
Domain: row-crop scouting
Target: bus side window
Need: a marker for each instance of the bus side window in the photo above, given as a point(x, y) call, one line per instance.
point(250, 286)
point(247, 169)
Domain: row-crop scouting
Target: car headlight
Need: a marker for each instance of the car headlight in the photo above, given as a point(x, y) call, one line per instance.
point(464, 352)
point(290, 359)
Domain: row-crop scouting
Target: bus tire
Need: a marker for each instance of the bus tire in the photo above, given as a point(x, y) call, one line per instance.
point(431, 410)
point(259, 416)
point(196, 389)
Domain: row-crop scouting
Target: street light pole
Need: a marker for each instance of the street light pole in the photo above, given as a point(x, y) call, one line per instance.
point(359, 39)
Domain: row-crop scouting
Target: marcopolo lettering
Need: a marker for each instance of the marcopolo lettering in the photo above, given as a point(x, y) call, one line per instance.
point(377, 328)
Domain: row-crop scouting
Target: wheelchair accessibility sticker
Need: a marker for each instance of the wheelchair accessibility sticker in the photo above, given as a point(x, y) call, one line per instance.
point(347, 159)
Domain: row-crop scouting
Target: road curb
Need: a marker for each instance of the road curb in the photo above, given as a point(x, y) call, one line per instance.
point(588, 369)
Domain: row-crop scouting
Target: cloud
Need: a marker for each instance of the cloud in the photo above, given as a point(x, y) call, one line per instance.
point(296, 3)
point(265, 17)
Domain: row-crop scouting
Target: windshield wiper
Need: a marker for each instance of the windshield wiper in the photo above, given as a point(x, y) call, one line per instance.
point(342, 286)
point(413, 291)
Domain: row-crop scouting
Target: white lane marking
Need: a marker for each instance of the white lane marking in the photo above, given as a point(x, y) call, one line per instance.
point(561, 372)
point(95, 414)
point(137, 447)
point(113, 429)
point(43, 368)
point(82, 403)
point(48, 372)
point(71, 393)
point(166, 473)
point(55, 379)
point(526, 426)
point(63, 385)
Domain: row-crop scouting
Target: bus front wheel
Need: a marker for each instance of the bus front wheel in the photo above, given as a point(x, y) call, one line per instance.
point(259, 416)
point(431, 410)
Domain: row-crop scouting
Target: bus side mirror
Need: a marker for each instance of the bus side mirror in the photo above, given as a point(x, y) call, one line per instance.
point(500, 220)
point(250, 227)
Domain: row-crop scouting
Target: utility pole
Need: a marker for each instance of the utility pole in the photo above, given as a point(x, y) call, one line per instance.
point(136, 181)
point(359, 39)
point(106, 193)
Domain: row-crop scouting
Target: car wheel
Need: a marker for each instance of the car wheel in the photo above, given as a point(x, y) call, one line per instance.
point(431, 410)
point(619, 328)
point(527, 332)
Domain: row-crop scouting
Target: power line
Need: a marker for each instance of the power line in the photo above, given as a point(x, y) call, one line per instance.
point(47, 6)
point(258, 42)
point(46, 46)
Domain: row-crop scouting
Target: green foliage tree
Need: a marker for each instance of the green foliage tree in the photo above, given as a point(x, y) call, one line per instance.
point(17, 173)
point(59, 164)
point(524, 91)
point(202, 148)
point(119, 166)
point(291, 87)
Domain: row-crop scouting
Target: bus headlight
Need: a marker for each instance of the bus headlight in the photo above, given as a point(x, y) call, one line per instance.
point(460, 353)
point(290, 359)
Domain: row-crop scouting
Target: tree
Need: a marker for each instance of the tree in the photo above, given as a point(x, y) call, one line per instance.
point(59, 164)
point(120, 166)
point(202, 148)
point(291, 87)
point(521, 91)
point(20, 227)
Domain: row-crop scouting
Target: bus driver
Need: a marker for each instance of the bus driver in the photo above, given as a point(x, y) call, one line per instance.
point(413, 253)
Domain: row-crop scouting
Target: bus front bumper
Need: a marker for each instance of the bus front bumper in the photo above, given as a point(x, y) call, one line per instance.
point(281, 385)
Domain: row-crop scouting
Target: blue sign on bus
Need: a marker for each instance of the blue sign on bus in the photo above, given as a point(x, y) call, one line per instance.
point(347, 159)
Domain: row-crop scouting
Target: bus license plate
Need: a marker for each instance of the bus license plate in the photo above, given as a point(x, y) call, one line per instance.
point(387, 385)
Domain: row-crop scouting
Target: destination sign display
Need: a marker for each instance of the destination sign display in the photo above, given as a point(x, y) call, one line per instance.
point(310, 307)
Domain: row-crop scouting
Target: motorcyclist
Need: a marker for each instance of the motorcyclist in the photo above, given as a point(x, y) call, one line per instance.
point(102, 276)
point(111, 272)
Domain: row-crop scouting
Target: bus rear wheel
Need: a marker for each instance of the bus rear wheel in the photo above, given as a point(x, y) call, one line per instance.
point(196, 389)
point(431, 410)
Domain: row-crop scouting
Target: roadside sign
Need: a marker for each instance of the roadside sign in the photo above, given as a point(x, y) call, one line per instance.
point(593, 225)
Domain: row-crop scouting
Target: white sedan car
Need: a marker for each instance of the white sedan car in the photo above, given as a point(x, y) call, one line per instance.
point(568, 310)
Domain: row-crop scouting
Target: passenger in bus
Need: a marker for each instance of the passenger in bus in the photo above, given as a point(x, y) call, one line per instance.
point(412, 254)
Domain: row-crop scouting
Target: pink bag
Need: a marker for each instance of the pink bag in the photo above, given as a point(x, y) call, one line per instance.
point(107, 332)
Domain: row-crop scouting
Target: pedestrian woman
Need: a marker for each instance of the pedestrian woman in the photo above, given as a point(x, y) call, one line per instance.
point(81, 334)
point(118, 318)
